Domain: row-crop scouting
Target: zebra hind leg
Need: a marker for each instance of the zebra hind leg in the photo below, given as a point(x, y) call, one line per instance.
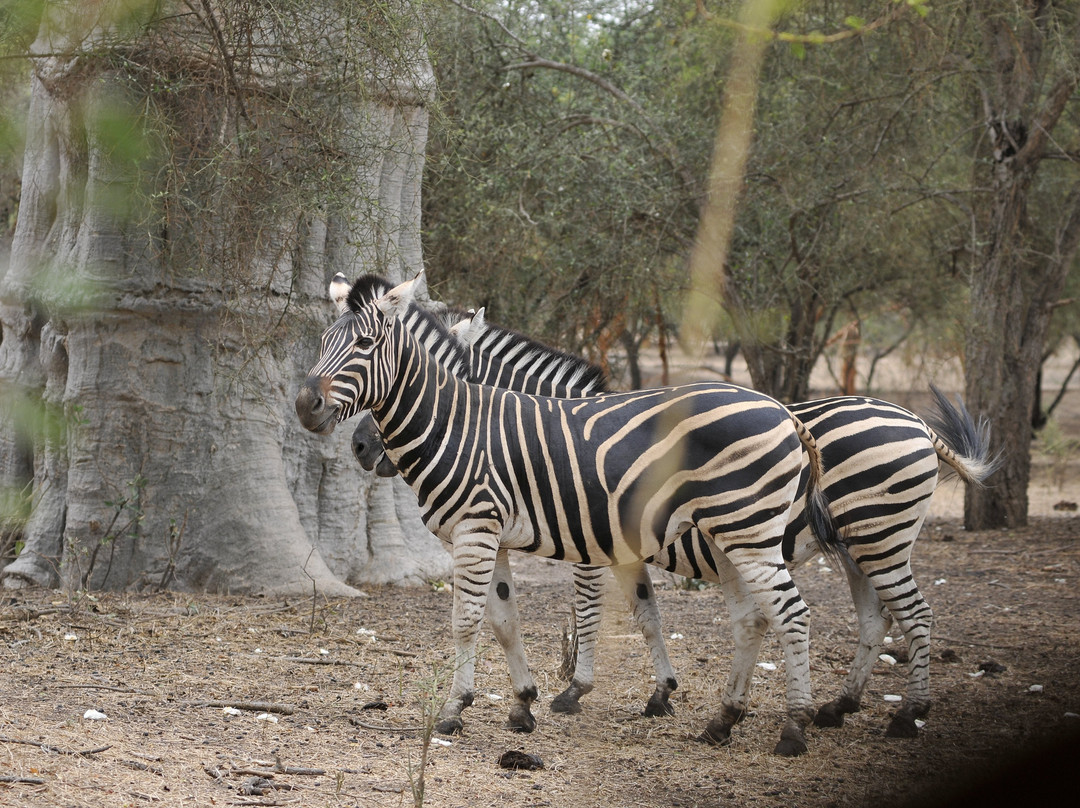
point(637, 586)
point(896, 587)
point(780, 602)
point(588, 596)
point(503, 616)
point(874, 620)
point(748, 626)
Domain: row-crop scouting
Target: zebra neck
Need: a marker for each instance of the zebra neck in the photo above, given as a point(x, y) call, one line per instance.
point(417, 414)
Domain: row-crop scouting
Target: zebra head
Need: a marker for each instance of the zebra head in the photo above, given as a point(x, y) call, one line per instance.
point(357, 361)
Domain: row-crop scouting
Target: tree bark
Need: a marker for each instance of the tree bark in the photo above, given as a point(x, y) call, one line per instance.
point(169, 452)
point(1019, 276)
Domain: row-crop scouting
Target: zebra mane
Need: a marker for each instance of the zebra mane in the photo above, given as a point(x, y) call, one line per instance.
point(556, 368)
point(366, 290)
point(430, 330)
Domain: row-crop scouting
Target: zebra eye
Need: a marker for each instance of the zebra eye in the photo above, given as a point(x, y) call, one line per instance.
point(364, 343)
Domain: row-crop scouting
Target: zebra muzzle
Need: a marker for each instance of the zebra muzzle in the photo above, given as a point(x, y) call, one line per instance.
point(315, 408)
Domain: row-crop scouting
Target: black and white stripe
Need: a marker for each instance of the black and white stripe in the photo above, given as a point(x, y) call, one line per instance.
point(607, 480)
point(503, 358)
point(882, 463)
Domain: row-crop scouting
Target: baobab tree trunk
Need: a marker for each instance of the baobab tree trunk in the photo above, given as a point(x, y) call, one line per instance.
point(156, 319)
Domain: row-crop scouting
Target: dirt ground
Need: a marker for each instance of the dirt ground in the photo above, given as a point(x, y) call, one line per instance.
point(349, 679)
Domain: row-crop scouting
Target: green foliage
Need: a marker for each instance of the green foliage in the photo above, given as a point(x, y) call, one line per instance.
point(569, 209)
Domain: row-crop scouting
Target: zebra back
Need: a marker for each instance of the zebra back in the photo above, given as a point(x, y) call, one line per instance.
point(505, 358)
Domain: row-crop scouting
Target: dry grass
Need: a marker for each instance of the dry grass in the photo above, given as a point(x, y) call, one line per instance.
point(150, 663)
point(154, 664)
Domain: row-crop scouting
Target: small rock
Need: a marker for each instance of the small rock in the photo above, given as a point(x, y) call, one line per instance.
point(891, 698)
point(991, 667)
point(95, 715)
point(1035, 689)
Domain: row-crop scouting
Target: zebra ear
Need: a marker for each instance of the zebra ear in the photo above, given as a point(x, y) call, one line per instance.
point(468, 331)
point(397, 301)
point(339, 292)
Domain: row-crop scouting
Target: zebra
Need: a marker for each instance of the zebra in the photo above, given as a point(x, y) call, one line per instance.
point(504, 358)
point(605, 480)
point(882, 466)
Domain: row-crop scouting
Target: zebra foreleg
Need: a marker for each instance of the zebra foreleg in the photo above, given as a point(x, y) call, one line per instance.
point(588, 595)
point(874, 621)
point(503, 616)
point(637, 587)
point(474, 557)
point(782, 605)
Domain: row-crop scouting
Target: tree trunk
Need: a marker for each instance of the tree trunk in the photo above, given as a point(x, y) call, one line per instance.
point(1019, 275)
point(169, 453)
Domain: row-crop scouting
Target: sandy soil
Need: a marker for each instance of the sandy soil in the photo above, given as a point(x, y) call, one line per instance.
point(350, 679)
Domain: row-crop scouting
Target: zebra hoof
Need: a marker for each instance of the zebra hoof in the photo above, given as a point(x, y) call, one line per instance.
point(829, 716)
point(902, 726)
point(792, 743)
point(658, 707)
point(450, 726)
point(717, 733)
point(521, 720)
point(566, 702)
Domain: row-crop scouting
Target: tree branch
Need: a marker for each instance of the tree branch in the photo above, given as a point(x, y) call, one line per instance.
point(1047, 118)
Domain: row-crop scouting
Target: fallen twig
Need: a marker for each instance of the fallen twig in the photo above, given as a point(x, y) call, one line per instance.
point(357, 722)
point(939, 638)
point(300, 770)
point(103, 687)
point(253, 706)
point(388, 789)
point(30, 781)
point(27, 613)
point(143, 767)
point(44, 747)
point(314, 661)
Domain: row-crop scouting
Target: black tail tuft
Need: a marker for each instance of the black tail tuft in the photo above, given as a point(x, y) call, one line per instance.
point(968, 439)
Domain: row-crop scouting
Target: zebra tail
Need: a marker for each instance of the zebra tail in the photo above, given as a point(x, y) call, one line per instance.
point(818, 515)
point(960, 441)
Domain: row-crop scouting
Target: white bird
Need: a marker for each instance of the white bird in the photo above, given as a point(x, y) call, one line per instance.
point(339, 291)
